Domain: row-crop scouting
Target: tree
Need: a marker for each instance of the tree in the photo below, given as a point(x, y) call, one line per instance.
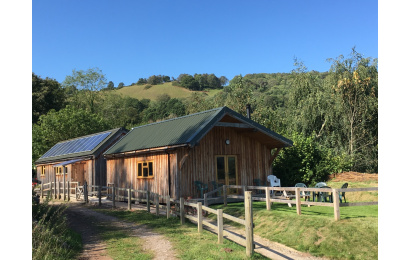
point(213, 81)
point(121, 85)
point(89, 82)
point(224, 80)
point(189, 82)
point(47, 94)
point(239, 94)
point(110, 86)
point(61, 125)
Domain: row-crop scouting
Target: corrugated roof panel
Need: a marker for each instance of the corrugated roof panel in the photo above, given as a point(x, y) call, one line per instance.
point(169, 132)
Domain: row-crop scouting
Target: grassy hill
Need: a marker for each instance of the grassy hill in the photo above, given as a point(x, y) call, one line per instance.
point(142, 91)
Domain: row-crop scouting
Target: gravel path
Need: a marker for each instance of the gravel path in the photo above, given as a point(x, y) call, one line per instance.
point(83, 220)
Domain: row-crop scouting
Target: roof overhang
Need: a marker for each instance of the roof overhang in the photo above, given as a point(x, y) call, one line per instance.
point(68, 162)
point(144, 151)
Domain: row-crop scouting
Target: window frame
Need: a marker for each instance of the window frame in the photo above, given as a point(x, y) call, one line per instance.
point(141, 167)
point(43, 170)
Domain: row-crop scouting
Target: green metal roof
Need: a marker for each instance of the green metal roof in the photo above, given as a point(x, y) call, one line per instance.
point(185, 130)
point(82, 146)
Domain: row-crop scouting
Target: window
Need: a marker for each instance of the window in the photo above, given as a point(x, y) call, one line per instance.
point(43, 170)
point(145, 170)
point(66, 169)
point(58, 170)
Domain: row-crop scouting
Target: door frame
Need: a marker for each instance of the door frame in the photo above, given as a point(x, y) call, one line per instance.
point(226, 167)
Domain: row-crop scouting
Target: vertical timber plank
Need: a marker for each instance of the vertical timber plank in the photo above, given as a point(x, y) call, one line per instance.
point(248, 224)
point(220, 221)
point(336, 208)
point(199, 207)
point(268, 204)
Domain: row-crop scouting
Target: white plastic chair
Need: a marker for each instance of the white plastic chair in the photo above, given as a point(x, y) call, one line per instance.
point(274, 182)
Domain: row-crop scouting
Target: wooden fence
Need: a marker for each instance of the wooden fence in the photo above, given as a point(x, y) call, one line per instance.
point(298, 193)
point(113, 193)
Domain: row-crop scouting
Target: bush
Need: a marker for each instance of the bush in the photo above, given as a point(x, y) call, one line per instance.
point(147, 86)
point(307, 162)
point(51, 237)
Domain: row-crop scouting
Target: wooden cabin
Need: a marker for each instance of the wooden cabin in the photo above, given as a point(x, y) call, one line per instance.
point(217, 145)
point(81, 159)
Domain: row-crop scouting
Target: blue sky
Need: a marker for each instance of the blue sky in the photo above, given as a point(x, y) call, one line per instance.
point(129, 40)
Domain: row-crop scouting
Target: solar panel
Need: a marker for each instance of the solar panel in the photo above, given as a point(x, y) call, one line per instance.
point(83, 144)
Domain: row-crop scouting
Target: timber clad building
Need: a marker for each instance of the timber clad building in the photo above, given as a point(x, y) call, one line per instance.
point(217, 145)
point(81, 159)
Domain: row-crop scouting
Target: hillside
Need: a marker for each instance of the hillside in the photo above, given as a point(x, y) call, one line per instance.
point(140, 91)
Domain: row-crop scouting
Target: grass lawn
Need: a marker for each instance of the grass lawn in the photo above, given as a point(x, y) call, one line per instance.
point(185, 239)
point(355, 236)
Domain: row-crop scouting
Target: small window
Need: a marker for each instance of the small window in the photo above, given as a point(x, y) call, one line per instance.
point(59, 170)
point(145, 170)
point(43, 170)
point(66, 169)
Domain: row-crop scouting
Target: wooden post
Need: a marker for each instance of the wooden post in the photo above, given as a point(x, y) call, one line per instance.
point(243, 190)
point(225, 196)
point(68, 190)
point(157, 204)
point(182, 210)
point(248, 224)
point(85, 192)
point(113, 196)
point(41, 190)
point(148, 204)
point(99, 195)
point(58, 190)
point(64, 171)
point(168, 206)
point(336, 208)
point(206, 200)
point(129, 198)
point(199, 210)
point(220, 221)
point(298, 204)
point(267, 195)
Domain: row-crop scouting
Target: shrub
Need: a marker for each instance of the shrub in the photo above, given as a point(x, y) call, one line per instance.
point(307, 162)
point(51, 237)
point(147, 86)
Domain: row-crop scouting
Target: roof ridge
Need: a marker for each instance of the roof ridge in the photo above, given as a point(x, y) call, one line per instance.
point(171, 119)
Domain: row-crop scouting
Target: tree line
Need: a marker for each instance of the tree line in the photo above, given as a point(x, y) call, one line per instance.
point(332, 116)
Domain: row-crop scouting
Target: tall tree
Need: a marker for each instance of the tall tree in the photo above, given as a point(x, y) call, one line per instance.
point(89, 82)
point(47, 94)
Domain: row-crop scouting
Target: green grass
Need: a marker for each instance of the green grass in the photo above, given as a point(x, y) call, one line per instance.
point(152, 93)
point(355, 236)
point(188, 243)
point(120, 245)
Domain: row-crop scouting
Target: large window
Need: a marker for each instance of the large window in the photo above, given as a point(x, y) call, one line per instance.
point(145, 170)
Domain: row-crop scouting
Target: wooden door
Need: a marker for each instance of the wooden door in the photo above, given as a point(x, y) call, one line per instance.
point(227, 170)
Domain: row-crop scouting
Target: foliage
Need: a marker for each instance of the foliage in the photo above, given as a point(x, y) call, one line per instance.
point(88, 82)
point(110, 86)
point(239, 94)
point(61, 125)
point(164, 107)
point(307, 162)
point(51, 237)
point(47, 94)
point(120, 85)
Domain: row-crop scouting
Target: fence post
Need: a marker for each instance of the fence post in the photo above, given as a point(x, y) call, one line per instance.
point(181, 210)
point(199, 207)
point(148, 204)
point(243, 190)
point(157, 204)
point(113, 196)
point(248, 223)
point(129, 198)
point(41, 190)
point(99, 195)
point(336, 208)
point(168, 206)
point(206, 200)
point(220, 221)
point(85, 192)
point(267, 195)
point(55, 189)
point(58, 190)
point(298, 204)
point(68, 190)
point(225, 196)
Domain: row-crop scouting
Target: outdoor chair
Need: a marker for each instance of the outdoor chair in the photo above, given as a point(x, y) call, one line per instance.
point(201, 187)
point(324, 196)
point(305, 194)
point(317, 194)
point(342, 194)
point(273, 181)
point(216, 185)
